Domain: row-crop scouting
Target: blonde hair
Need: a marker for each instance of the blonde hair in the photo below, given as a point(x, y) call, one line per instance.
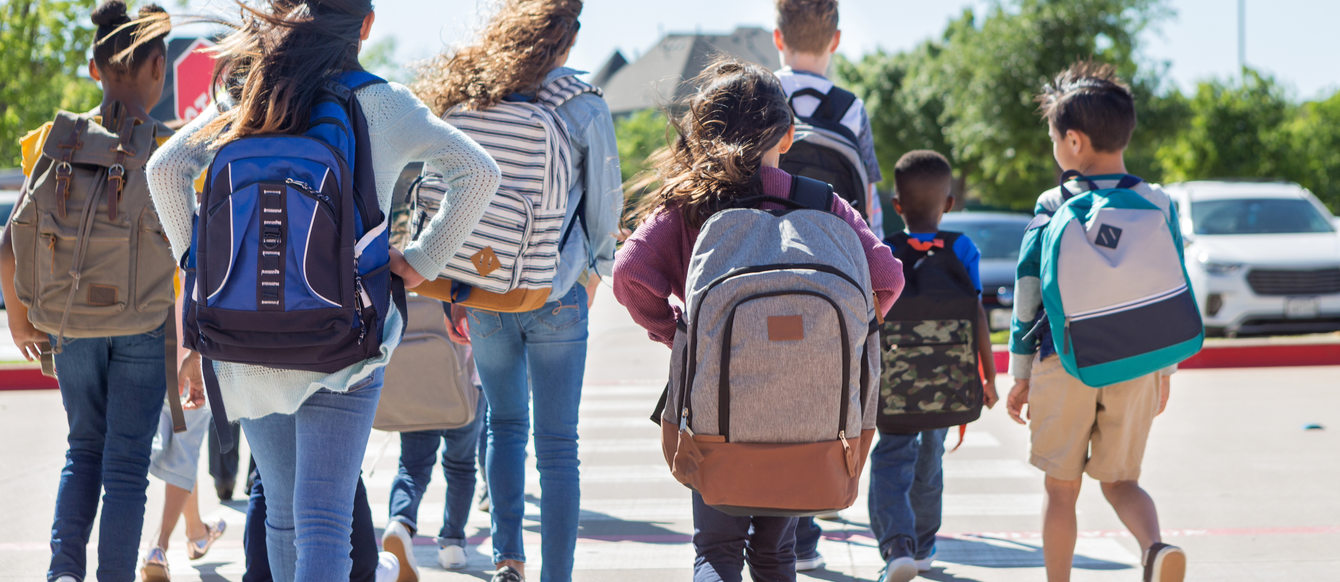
point(521, 43)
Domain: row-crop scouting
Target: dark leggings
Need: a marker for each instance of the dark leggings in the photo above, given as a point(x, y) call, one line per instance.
point(363, 539)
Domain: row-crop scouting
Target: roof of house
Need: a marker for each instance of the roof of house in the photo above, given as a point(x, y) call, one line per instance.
point(657, 77)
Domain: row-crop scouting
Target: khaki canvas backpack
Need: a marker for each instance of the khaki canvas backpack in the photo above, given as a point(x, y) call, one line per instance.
point(91, 257)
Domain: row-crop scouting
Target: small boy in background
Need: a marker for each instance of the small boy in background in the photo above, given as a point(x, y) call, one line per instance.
point(1076, 428)
point(906, 479)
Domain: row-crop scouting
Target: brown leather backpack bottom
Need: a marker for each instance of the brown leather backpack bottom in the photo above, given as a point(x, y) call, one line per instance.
point(767, 479)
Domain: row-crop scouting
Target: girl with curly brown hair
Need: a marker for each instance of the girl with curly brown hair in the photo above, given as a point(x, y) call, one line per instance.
point(520, 51)
point(726, 146)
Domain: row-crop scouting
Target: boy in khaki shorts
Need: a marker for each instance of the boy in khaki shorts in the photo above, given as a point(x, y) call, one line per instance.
point(1079, 429)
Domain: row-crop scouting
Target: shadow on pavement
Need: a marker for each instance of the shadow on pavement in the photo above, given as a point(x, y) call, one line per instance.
point(990, 552)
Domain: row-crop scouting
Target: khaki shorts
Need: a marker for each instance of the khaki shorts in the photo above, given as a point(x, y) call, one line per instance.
point(1078, 429)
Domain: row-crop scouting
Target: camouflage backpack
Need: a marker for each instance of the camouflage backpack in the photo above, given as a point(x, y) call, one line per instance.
point(929, 375)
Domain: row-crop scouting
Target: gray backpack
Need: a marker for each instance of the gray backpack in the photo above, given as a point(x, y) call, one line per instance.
point(769, 409)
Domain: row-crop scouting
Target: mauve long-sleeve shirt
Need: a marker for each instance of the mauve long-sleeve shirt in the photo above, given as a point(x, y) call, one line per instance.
point(653, 263)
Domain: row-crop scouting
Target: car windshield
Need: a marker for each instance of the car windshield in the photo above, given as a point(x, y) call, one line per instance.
point(997, 239)
point(1257, 216)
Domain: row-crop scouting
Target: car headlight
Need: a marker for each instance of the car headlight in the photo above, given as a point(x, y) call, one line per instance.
point(1005, 296)
point(1213, 267)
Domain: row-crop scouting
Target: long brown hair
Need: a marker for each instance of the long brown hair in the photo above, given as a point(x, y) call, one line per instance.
point(738, 112)
point(274, 62)
point(521, 43)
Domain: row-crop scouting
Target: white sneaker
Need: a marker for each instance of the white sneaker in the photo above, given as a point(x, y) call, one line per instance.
point(925, 564)
point(397, 540)
point(66, 579)
point(807, 564)
point(452, 557)
point(388, 567)
point(900, 569)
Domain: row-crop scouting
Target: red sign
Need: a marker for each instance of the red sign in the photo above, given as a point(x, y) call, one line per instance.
point(191, 75)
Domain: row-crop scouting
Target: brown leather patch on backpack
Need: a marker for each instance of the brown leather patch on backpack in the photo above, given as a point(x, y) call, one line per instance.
point(101, 295)
point(786, 328)
point(485, 261)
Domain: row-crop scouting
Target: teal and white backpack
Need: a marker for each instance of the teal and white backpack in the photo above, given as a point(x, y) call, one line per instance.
point(1114, 284)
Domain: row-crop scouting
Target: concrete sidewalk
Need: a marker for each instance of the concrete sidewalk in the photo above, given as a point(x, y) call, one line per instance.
point(1240, 484)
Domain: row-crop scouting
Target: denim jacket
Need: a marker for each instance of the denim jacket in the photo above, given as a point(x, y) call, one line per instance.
point(595, 159)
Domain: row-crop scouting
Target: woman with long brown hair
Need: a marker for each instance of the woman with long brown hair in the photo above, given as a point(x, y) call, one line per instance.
point(521, 51)
point(308, 430)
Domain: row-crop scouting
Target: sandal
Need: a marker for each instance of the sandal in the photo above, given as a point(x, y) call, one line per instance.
point(154, 568)
point(196, 549)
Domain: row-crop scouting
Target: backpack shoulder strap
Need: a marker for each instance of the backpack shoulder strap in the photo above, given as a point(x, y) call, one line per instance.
point(812, 194)
point(564, 89)
point(833, 106)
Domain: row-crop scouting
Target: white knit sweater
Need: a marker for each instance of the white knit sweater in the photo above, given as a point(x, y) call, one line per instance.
point(401, 130)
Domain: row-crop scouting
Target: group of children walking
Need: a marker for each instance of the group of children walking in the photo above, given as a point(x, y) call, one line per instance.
point(283, 210)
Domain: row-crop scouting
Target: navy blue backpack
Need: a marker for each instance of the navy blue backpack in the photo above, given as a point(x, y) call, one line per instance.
point(290, 264)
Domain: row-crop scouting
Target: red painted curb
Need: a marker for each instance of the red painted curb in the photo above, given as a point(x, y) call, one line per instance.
point(1242, 353)
point(25, 378)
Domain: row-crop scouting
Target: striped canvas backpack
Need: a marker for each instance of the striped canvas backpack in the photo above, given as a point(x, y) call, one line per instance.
point(1114, 284)
point(507, 264)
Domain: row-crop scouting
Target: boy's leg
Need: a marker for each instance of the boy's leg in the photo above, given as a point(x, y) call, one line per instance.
point(458, 465)
point(362, 539)
point(418, 451)
point(253, 534)
point(1063, 414)
point(771, 549)
point(927, 492)
point(1136, 509)
point(1059, 528)
point(719, 541)
point(1123, 422)
point(807, 538)
point(892, 472)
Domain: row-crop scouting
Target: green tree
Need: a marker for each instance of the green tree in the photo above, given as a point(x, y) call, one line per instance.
point(1315, 133)
point(970, 94)
point(46, 47)
point(1236, 129)
point(639, 134)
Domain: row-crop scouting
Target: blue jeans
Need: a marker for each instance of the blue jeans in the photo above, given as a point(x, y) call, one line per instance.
point(310, 460)
point(417, 450)
point(807, 538)
point(906, 487)
point(723, 542)
point(113, 390)
point(363, 539)
point(538, 355)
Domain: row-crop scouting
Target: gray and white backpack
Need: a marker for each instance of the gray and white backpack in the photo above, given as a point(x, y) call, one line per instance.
point(770, 408)
point(508, 262)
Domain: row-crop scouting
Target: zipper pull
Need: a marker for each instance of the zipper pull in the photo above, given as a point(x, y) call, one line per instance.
point(684, 421)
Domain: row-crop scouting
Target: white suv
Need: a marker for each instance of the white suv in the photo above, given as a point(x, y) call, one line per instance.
point(1263, 257)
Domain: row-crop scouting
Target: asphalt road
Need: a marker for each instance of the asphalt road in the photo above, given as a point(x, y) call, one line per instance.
point(1239, 482)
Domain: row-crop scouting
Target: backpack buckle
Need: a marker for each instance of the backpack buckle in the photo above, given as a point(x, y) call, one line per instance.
point(115, 173)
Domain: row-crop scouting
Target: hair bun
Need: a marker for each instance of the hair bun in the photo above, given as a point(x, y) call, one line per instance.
point(110, 13)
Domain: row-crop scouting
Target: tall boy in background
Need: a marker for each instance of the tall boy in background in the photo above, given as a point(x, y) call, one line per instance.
point(1076, 428)
point(807, 35)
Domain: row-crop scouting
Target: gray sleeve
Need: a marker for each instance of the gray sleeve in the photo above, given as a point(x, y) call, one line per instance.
point(867, 149)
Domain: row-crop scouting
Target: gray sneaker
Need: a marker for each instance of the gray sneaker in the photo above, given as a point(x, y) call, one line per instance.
point(900, 569)
point(507, 574)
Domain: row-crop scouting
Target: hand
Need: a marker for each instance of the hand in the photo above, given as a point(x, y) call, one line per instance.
point(27, 338)
point(592, 285)
point(191, 382)
point(989, 395)
point(1017, 400)
point(1165, 389)
point(401, 268)
point(458, 326)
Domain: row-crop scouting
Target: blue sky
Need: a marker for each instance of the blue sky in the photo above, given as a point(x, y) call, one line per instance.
point(1293, 39)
